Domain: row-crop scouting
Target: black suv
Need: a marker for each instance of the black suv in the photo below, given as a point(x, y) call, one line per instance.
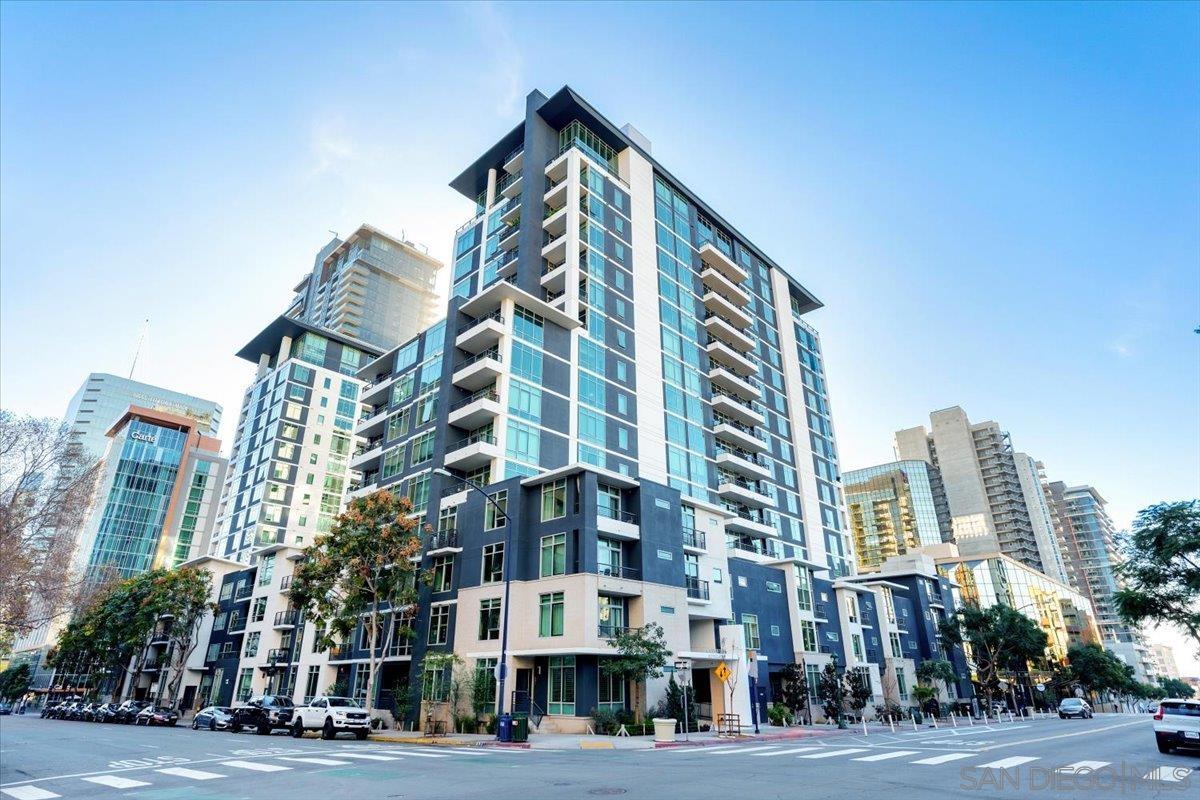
point(127, 712)
point(264, 714)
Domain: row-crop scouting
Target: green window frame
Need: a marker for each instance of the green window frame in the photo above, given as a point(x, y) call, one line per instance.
point(554, 500)
point(560, 690)
point(550, 614)
point(489, 619)
point(554, 555)
point(750, 626)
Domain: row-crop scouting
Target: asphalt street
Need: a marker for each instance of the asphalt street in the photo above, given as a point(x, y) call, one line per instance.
point(1106, 757)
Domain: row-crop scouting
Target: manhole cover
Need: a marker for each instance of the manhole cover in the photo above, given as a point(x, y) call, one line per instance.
point(607, 790)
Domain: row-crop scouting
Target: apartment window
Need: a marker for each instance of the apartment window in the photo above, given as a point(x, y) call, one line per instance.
point(435, 684)
point(493, 563)
point(492, 518)
point(608, 557)
point(258, 610)
point(554, 555)
point(311, 681)
point(486, 668)
point(439, 625)
point(610, 691)
point(889, 606)
point(750, 626)
point(227, 590)
point(266, 570)
point(804, 599)
point(245, 679)
point(489, 618)
point(252, 640)
point(525, 401)
point(443, 573)
point(608, 501)
point(560, 691)
point(897, 650)
point(774, 587)
point(851, 608)
point(808, 636)
point(813, 675)
point(901, 683)
point(219, 621)
point(421, 449)
point(554, 500)
point(856, 646)
point(611, 611)
point(550, 617)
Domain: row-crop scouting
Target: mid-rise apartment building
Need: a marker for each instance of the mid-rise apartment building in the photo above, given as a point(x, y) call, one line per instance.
point(894, 509)
point(371, 287)
point(990, 509)
point(102, 399)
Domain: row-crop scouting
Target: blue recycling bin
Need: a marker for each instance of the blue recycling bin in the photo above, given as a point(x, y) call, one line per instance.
point(504, 728)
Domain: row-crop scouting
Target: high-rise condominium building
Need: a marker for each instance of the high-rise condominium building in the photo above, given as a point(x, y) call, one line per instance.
point(104, 398)
point(1032, 475)
point(155, 500)
point(990, 508)
point(894, 509)
point(288, 466)
point(370, 286)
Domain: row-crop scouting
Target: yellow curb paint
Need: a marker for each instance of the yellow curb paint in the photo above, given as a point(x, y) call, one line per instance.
point(595, 745)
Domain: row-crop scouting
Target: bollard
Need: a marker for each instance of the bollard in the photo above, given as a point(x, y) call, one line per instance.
point(914, 722)
point(864, 722)
point(935, 722)
point(971, 720)
point(1010, 717)
point(892, 723)
point(954, 720)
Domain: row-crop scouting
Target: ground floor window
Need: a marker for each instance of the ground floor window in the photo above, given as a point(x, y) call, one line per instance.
point(812, 674)
point(560, 694)
point(361, 676)
point(485, 682)
point(610, 691)
point(901, 683)
point(435, 684)
point(244, 680)
point(310, 684)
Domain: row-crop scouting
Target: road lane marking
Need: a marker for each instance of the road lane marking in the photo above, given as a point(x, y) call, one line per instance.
point(942, 759)
point(1084, 766)
point(1086, 732)
point(29, 793)
point(832, 753)
point(369, 756)
point(1167, 774)
point(255, 766)
point(423, 755)
point(1005, 763)
point(886, 756)
point(116, 782)
point(706, 750)
point(740, 750)
point(194, 774)
point(783, 752)
point(324, 762)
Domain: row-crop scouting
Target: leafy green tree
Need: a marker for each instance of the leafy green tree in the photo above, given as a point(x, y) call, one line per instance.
point(936, 670)
point(998, 638)
point(14, 682)
point(858, 689)
point(831, 691)
point(795, 689)
point(641, 655)
point(363, 572)
point(677, 697)
point(183, 596)
point(1173, 687)
point(1161, 571)
point(1097, 670)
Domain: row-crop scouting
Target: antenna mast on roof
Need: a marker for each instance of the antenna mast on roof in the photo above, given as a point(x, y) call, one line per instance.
point(138, 351)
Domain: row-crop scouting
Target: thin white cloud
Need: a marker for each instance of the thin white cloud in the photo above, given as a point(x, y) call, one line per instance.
point(330, 146)
point(503, 56)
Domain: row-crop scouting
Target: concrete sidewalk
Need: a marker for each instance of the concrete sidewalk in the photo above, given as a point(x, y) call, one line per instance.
point(564, 741)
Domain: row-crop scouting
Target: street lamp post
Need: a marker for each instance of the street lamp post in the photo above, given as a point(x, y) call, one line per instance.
point(502, 666)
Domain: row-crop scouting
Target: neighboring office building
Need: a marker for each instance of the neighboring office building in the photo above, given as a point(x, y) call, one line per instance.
point(990, 509)
point(1164, 659)
point(372, 287)
point(1088, 538)
point(893, 509)
point(288, 470)
point(103, 398)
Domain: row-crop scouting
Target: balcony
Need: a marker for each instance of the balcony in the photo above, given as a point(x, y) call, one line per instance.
point(508, 238)
point(368, 457)
point(618, 580)
point(714, 258)
point(372, 424)
point(617, 523)
point(244, 592)
point(376, 392)
point(745, 521)
point(747, 388)
point(237, 624)
point(555, 221)
point(736, 408)
point(722, 328)
point(607, 630)
point(514, 160)
point(737, 317)
point(279, 655)
point(694, 540)
point(285, 583)
point(285, 619)
point(749, 493)
point(512, 211)
point(554, 277)
point(445, 541)
point(767, 548)
point(740, 436)
point(478, 371)
point(151, 665)
point(481, 334)
point(554, 248)
point(474, 451)
point(476, 410)
point(556, 192)
point(723, 352)
point(734, 296)
point(509, 185)
point(696, 589)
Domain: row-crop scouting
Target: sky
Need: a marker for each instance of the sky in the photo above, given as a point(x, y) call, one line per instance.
point(998, 205)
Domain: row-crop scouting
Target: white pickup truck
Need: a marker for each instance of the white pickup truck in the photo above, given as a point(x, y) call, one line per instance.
point(331, 716)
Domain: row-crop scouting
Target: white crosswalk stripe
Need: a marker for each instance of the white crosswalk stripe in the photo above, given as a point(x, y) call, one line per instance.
point(29, 793)
point(942, 759)
point(423, 755)
point(1084, 766)
point(832, 753)
point(193, 774)
point(255, 765)
point(369, 756)
point(783, 752)
point(116, 782)
point(1005, 763)
point(741, 750)
point(1167, 774)
point(322, 762)
point(887, 755)
point(704, 750)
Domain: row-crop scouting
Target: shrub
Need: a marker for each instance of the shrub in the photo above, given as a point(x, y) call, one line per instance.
point(780, 714)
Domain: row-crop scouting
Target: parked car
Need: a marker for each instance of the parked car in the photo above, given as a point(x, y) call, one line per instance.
point(127, 712)
point(75, 711)
point(264, 714)
point(88, 712)
point(215, 718)
point(1177, 724)
point(48, 710)
point(331, 716)
point(156, 715)
point(5, 709)
point(1074, 707)
point(105, 713)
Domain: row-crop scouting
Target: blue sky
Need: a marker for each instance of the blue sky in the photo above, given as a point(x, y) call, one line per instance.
point(998, 204)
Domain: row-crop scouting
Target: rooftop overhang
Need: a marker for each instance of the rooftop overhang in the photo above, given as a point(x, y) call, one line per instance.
point(611, 478)
point(473, 180)
point(161, 418)
point(268, 339)
point(804, 562)
point(876, 581)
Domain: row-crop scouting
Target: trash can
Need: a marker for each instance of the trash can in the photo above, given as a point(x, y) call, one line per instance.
point(504, 728)
point(520, 728)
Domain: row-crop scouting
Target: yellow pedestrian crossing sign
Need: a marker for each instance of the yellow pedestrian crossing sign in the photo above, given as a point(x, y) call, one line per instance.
point(722, 672)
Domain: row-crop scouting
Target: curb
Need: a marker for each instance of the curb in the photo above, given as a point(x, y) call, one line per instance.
point(423, 740)
point(750, 738)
